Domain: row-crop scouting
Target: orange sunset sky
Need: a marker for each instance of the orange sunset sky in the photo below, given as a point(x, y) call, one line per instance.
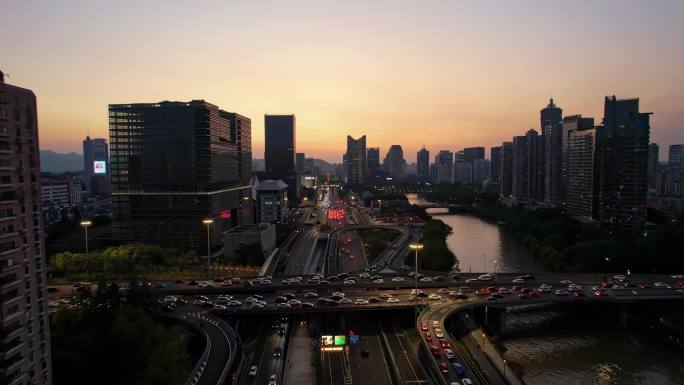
point(446, 74)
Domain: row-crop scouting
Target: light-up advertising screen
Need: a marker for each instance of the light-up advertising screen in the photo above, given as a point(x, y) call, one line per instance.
point(327, 340)
point(340, 340)
point(99, 167)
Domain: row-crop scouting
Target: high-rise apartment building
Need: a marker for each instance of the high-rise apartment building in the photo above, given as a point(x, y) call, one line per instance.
point(241, 136)
point(173, 165)
point(299, 162)
point(623, 157)
point(96, 166)
point(480, 171)
point(506, 170)
point(423, 165)
point(470, 154)
point(373, 164)
point(653, 155)
point(280, 148)
point(443, 167)
point(570, 123)
point(581, 195)
point(24, 320)
point(550, 159)
point(394, 163)
point(495, 164)
point(355, 160)
point(675, 162)
point(463, 172)
point(527, 178)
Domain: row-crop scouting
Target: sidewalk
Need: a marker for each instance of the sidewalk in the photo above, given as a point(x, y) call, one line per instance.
point(299, 368)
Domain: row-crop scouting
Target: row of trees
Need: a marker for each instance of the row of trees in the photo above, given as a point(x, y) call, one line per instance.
point(436, 254)
point(376, 240)
point(120, 262)
point(103, 341)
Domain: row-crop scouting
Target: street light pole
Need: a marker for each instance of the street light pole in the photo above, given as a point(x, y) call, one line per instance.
point(85, 223)
point(208, 222)
point(605, 270)
point(416, 247)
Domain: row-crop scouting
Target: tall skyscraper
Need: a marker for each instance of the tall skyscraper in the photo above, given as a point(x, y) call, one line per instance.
point(506, 170)
point(495, 164)
point(299, 162)
point(241, 136)
point(373, 164)
point(550, 161)
point(96, 166)
point(24, 320)
point(527, 181)
point(653, 155)
point(173, 165)
point(676, 165)
point(355, 160)
point(581, 195)
point(480, 171)
point(570, 123)
point(463, 172)
point(423, 164)
point(470, 154)
point(443, 167)
point(623, 143)
point(394, 162)
point(280, 148)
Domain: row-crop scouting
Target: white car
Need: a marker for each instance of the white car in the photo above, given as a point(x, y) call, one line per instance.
point(392, 300)
point(561, 293)
point(471, 280)
point(252, 371)
point(426, 279)
point(311, 294)
point(519, 280)
point(361, 301)
point(566, 282)
point(435, 324)
point(485, 277)
point(379, 280)
point(349, 282)
point(337, 294)
point(397, 279)
point(273, 380)
point(439, 333)
point(449, 354)
point(435, 297)
point(345, 301)
point(466, 381)
point(234, 303)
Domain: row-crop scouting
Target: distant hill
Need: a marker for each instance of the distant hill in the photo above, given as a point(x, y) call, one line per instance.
point(55, 162)
point(259, 165)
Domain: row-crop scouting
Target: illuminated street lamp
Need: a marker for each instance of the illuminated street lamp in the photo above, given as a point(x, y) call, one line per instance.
point(416, 247)
point(208, 222)
point(86, 223)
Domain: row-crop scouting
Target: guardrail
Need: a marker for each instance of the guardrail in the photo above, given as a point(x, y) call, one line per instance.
point(197, 371)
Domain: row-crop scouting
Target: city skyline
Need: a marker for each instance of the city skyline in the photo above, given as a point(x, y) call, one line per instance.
point(417, 76)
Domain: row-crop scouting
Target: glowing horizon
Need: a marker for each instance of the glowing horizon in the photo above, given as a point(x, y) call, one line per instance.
point(446, 75)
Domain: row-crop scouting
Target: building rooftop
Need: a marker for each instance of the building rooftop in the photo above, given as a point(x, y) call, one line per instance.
point(270, 184)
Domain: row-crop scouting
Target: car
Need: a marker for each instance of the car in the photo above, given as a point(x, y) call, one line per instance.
point(600, 293)
point(566, 282)
point(503, 290)
point(533, 294)
point(277, 352)
point(361, 301)
point(466, 381)
point(374, 300)
point(178, 281)
point(518, 280)
point(345, 301)
point(523, 296)
point(458, 368)
point(428, 336)
point(234, 303)
point(677, 276)
point(311, 294)
point(193, 283)
point(307, 304)
point(159, 285)
point(379, 280)
point(562, 293)
point(439, 334)
point(471, 280)
point(349, 282)
point(435, 297)
point(284, 305)
point(253, 371)
point(644, 285)
point(443, 367)
point(435, 324)
point(273, 380)
point(294, 302)
point(393, 300)
point(365, 352)
point(424, 326)
point(290, 295)
point(485, 277)
point(397, 279)
point(434, 349)
point(444, 344)
point(578, 294)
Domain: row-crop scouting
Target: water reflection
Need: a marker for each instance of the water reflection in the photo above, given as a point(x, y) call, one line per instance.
point(478, 243)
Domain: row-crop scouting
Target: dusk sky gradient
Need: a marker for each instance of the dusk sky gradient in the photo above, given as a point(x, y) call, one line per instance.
point(446, 74)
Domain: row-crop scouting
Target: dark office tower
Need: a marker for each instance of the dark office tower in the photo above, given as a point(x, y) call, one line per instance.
point(394, 163)
point(96, 166)
point(526, 176)
point(623, 152)
point(495, 164)
point(676, 165)
point(653, 155)
point(241, 137)
point(24, 319)
point(373, 165)
point(279, 154)
point(550, 161)
point(173, 165)
point(443, 168)
point(308, 165)
point(470, 154)
point(570, 123)
point(581, 192)
point(506, 170)
point(355, 160)
point(299, 162)
point(423, 164)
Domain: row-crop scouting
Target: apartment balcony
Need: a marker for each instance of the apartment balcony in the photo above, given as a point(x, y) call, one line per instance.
point(6, 352)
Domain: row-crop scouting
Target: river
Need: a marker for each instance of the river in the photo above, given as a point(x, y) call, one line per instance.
point(482, 246)
point(555, 347)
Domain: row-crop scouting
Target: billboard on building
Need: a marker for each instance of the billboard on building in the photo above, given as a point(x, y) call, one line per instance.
point(99, 167)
